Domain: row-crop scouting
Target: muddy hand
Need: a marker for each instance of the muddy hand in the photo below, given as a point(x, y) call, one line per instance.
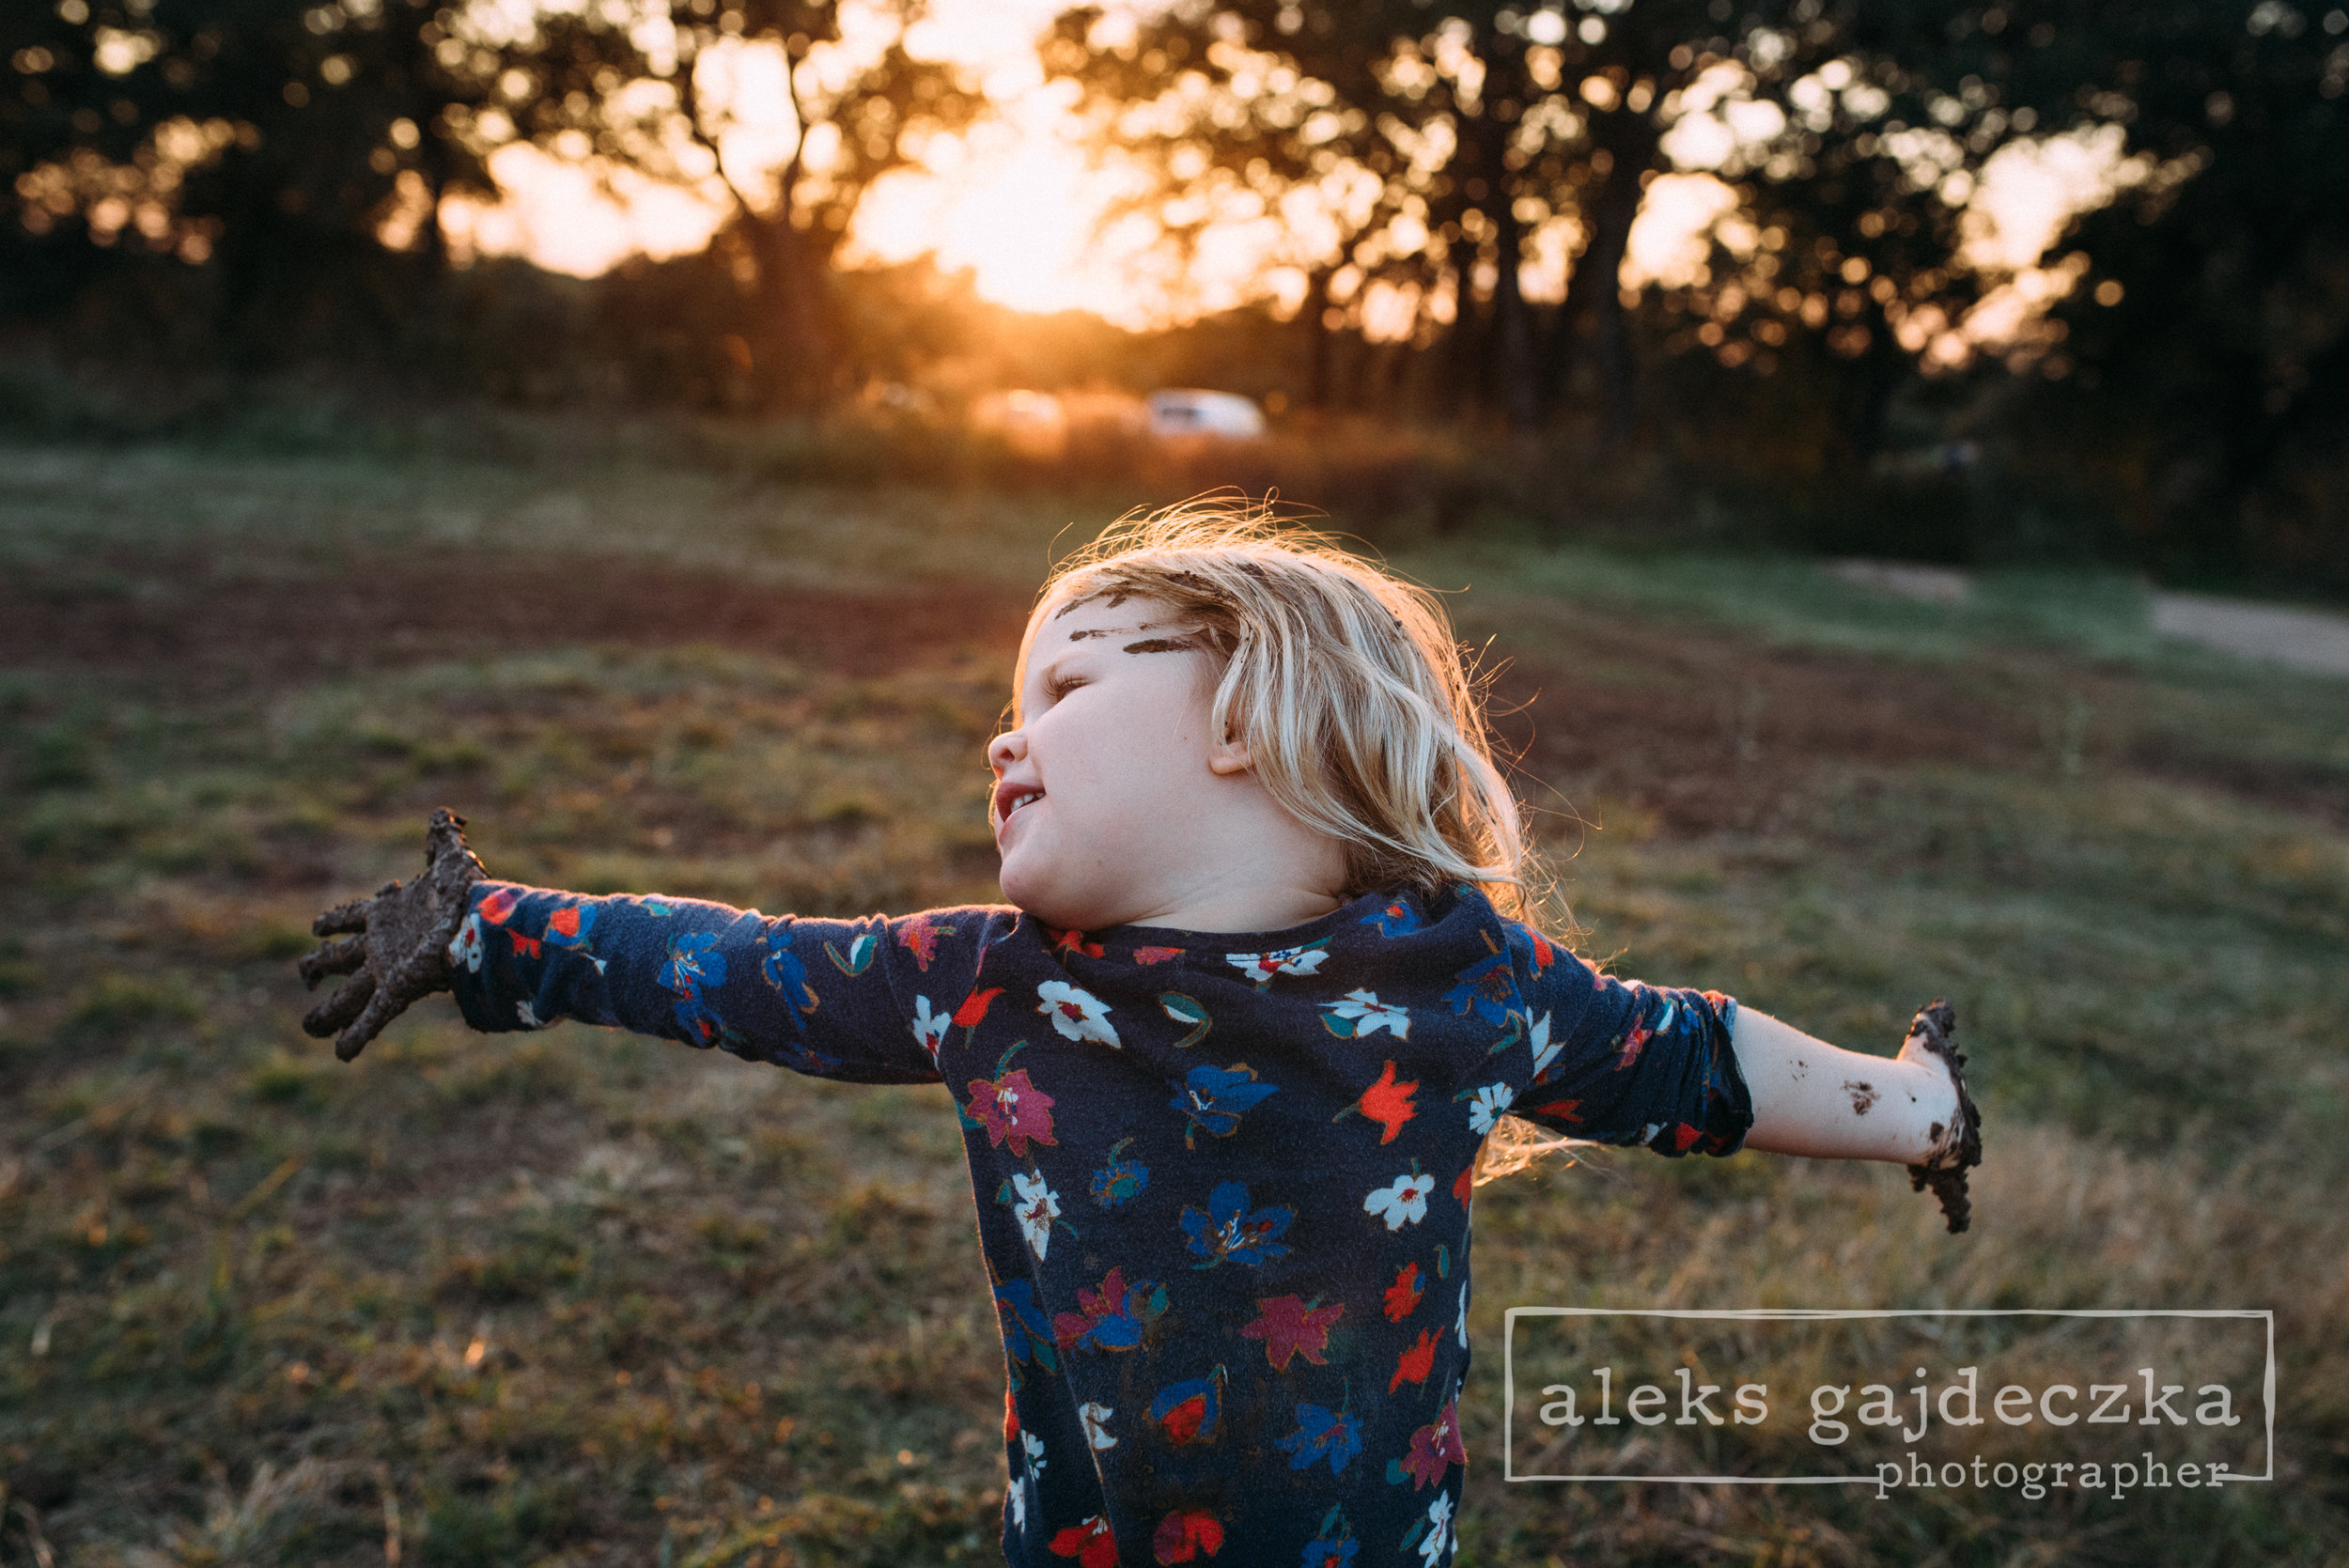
point(1957, 1147)
point(394, 945)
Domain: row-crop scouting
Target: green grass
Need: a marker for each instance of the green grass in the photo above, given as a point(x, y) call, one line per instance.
point(581, 1299)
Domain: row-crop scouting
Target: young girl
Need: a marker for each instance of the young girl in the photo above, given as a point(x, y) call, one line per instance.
point(1263, 993)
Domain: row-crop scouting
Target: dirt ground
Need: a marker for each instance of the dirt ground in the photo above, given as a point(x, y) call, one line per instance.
point(1708, 735)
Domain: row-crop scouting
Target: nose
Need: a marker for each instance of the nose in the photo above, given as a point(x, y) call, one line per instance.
point(1005, 750)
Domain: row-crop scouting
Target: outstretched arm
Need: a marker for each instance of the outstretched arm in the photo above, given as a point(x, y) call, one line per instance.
point(1813, 1098)
point(822, 997)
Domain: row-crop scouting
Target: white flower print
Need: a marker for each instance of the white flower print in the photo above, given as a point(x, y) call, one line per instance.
point(1544, 1051)
point(1463, 1314)
point(1438, 1538)
point(529, 1016)
point(929, 1026)
point(1402, 1202)
point(465, 948)
point(1031, 1450)
point(1096, 1425)
point(1369, 1015)
point(1490, 1102)
point(1038, 1207)
point(1262, 966)
point(1019, 1502)
point(1077, 1014)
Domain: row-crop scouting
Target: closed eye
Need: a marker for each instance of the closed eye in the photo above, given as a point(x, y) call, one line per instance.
point(1060, 686)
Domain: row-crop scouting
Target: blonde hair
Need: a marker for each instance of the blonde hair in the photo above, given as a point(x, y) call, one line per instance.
point(1361, 713)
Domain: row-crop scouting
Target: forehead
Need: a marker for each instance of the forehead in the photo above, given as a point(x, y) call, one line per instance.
point(1108, 622)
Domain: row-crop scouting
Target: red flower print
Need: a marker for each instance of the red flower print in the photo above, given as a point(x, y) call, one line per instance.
point(1564, 1110)
point(1011, 1418)
point(1544, 954)
point(1185, 1534)
point(564, 922)
point(975, 1007)
point(1290, 1328)
point(1435, 1448)
point(1465, 1183)
point(1013, 1109)
point(526, 947)
point(494, 908)
point(1389, 1103)
point(1146, 956)
point(1072, 941)
point(1091, 1544)
point(1402, 1298)
point(1636, 1037)
point(920, 937)
point(1683, 1136)
point(1415, 1363)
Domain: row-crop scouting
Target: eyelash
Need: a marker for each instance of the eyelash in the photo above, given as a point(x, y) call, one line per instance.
point(1060, 688)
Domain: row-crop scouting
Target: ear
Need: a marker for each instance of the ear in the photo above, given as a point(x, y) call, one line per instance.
point(1229, 756)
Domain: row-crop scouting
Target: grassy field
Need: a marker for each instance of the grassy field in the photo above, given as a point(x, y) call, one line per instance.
point(587, 1299)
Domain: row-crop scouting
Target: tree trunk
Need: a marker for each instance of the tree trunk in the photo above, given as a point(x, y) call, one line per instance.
point(1628, 143)
point(1319, 344)
point(791, 353)
point(1512, 326)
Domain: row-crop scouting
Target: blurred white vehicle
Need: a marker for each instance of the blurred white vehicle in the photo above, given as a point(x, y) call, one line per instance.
point(1180, 412)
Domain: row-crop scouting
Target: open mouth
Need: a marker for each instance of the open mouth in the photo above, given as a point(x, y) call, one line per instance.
point(1011, 798)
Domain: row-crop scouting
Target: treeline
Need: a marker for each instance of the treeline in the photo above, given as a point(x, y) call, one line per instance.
point(228, 187)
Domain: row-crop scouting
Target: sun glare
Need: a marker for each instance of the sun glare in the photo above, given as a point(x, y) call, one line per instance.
point(1019, 202)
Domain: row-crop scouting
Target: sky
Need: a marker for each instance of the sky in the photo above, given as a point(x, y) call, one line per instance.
point(1017, 202)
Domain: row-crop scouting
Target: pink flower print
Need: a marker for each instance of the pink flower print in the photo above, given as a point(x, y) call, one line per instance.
point(919, 937)
point(1079, 1015)
point(1435, 1448)
point(1013, 1111)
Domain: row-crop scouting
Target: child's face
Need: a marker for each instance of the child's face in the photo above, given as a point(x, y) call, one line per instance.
point(1111, 791)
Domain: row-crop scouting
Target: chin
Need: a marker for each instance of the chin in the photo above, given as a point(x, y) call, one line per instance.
point(1055, 906)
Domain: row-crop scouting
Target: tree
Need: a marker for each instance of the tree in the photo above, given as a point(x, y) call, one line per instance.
point(1485, 122)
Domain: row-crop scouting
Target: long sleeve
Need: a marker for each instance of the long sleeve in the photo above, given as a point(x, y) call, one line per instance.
point(835, 998)
point(1619, 1062)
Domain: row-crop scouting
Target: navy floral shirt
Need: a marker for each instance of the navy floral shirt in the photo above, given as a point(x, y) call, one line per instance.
point(1223, 1180)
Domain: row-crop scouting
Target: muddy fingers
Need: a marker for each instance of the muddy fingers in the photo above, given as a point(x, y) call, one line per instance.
point(395, 943)
point(333, 959)
point(1957, 1147)
point(347, 1003)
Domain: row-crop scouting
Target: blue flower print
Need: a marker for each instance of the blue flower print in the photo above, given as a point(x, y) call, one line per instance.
point(1228, 1232)
point(1333, 1545)
point(1394, 919)
point(1212, 1099)
point(1027, 1333)
point(1121, 1178)
point(785, 973)
point(1322, 1434)
point(693, 964)
point(1488, 989)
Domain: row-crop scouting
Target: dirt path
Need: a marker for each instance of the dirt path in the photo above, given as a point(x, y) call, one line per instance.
point(2310, 640)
